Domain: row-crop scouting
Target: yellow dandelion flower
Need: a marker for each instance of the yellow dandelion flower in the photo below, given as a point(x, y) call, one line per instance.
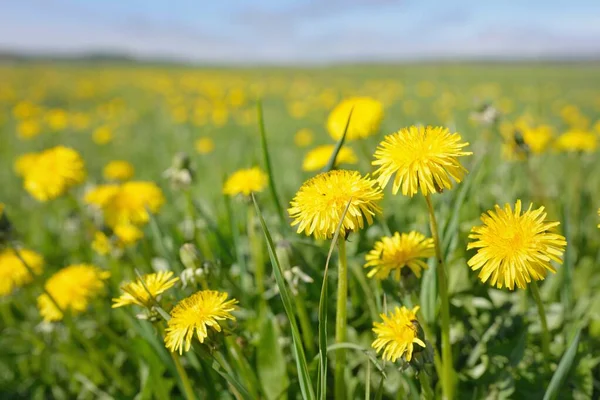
point(303, 138)
point(367, 114)
point(118, 170)
point(24, 162)
point(577, 140)
point(128, 234)
point(28, 129)
point(391, 254)
point(53, 173)
point(421, 158)
point(320, 202)
point(139, 291)
point(318, 157)
point(102, 135)
point(245, 182)
point(100, 195)
point(72, 288)
point(131, 203)
point(514, 247)
point(101, 243)
point(204, 145)
point(397, 334)
point(193, 315)
point(13, 274)
point(538, 138)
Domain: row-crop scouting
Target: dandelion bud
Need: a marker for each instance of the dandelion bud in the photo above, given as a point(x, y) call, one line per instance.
point(189, 256)
point(180, 172)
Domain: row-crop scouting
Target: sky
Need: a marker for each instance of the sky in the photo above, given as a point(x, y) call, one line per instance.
point(304, 31)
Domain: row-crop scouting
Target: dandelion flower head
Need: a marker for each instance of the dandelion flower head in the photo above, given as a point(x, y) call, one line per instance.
point(397, 334)
point(72, 288)
point(514, 247)
point(53, 172)
point(101, 243)
point(118, 170)
point(391, 254)
point(246, 182)
point(193, 315)
point(367, 114)
point(13, 274)
point(320, 202)
point(318, 157)
point(204, 145)
point(421, 158)
point(128, 234)
point(131, 203)
point(24, 162)
point(144, 289)
point(303, 138)
point(577, 140)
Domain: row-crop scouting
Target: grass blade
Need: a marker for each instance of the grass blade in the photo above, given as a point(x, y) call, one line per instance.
point(267, 161)
point(322, 389)
point(338, 146)
point(564, 367)
point(303, 374)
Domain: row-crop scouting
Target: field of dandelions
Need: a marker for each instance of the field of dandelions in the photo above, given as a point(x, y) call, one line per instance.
point(399, 232)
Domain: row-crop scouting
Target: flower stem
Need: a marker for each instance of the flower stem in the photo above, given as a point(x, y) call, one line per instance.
point(256, 249)
point(340, 320)
point(535, 292)
point(185, 380)
point(447, 367)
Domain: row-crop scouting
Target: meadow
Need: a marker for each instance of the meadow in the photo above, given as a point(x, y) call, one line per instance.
point(147, 248)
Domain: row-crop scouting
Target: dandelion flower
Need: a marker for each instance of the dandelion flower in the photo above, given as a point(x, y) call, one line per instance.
point(100, 195)
point(318, 157)
point(193, 315)
point(102, 135)
point(422, 158)
point(246, 182)
point(204, 145)
point(367, 114)
point(577, 140)
point(101, 243)
point(72, 288)
point(131, 202)
point(303, 138)
point(128, 234)
point(514, 247)
point(391, 254)
point(13, 274)
point(321, 201)
point(28, 129)
point(397, 334)
point(24, 162)
point(139, 292)
point(118, 170)
point(53, 172)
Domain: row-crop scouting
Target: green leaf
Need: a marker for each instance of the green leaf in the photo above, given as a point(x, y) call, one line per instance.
point(270, 360)
point(338, 146)
point(303, 374)
point(267, 161)
point(564, 367)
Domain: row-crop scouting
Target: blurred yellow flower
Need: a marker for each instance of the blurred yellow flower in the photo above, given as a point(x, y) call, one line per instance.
point(57, 119)
point(367, 114)
point(100, 195)
point(142, 291)
point(102, 135)
point(318, 157)
point(320, 202)
point(421, 158)
point(53, 172)
point(72, 288)
point(131, 202)
point(28, 129)
point(24, 162)
point(204, 145)
point(101, 243)
point(577, 140)
point(118, 170)
point(514, 247)
point(13, 274)
point(245, 182)
point(538, 138)
point(193, 315)
point(391, 254)
point(303, 138)
point(397, 334)
point(128, 234)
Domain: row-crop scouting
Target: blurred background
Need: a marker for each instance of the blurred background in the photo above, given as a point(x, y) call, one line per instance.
point(301, 32)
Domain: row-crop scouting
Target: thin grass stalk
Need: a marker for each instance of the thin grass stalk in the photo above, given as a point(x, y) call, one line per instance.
point(341, 321)
point(185, 380)
point(258, 259)
point(535, 293)
point(447, 366)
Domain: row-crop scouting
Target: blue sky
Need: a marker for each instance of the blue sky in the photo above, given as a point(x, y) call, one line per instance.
point(307, 31)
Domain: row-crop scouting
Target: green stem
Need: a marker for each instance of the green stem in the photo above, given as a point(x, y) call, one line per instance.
point(340, 320)
point(448, 369)
point(256, 246)
point(185, 380)
point(535, 292)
